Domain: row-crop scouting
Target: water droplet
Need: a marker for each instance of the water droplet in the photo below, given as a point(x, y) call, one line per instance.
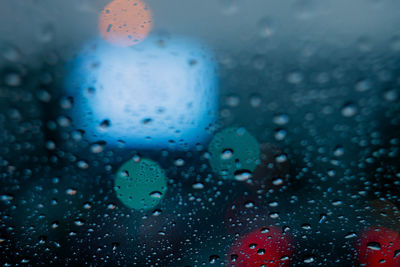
point(267, 27)
point(255, 100)
point(71, 191)
point(156, 212)
point(50, 145)
point(363, 85)
point(227, 153)
point(198, 186)
point(63, 121)
point(54, 225)
point(349, 110)
point(66, 102)
point(280, 134)
point(46, 33)
point(82, 164)
point(281, 158)
point(309, 259)
point(274, 215)
point(214, 259)
point(234, 257)
point(337, 202)
point(338, 151)
point(242, 175)
point(97, 147)
point(249, 204)
point(374, 245)
point(281, 119)
point(295, 78)
point(350, 235)
point(43, 96)
point(179, 162)
point(87, 205)
point(265, 230)
point(232, 100)
point(155, 194)
point(105, 124)
point(277, 181)
point(391, 95)
point(13, 79)
point(79, 222)
point(252, 245)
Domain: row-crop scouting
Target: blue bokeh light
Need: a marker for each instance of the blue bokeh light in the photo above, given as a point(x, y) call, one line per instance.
point(160, 93)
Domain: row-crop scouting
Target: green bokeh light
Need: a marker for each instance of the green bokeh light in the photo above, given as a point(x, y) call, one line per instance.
point(140, 184)
point(233, 150)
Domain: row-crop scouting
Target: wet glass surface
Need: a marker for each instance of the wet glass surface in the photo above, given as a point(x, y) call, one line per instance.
point(199, 133)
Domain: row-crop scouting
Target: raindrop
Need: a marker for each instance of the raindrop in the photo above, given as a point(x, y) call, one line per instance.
point(234, 257)
point(13, 79)
point(156, 212)
point(350, 235)
point(198, 186)
point(79, 222)
point(349, 110)
point(82, 164)
point(391, 95)
point(261, 251)
point(242, 175)
point(363, 85)
point(249, 204)
point(274, 215)
point(280, 134)
point(265, 230)
point(227, 153)
point(252, 246)
point(97, 147)
point(339, 151)
point(71, 191)
point(255, 100)
point(374, 245)
point(295, 78)
point(281, 119)
point(214, 259)
point(87, 205)
point(66, 102)
point(105, 124)
point(277, 181)
point(309, 259)
point(267, 27)
point(179, 162)
point(233, 100)
point(156, 194)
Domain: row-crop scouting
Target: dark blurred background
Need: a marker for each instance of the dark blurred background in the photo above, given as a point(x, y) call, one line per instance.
point(315, 82)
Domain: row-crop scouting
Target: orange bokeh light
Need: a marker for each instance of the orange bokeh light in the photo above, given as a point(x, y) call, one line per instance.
point(125, 22)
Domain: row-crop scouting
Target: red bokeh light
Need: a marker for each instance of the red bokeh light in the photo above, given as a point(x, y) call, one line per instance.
point(379, 247)
point(268, 246)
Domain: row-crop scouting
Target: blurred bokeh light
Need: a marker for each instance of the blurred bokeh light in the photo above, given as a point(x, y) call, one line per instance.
point(125, 22)
point(160, 93)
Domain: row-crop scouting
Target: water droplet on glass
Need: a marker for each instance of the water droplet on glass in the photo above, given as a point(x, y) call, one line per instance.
point(374, 245)
point(242, 175)
point(198, 186)
point(349, 110)
point(227, 153)
point(156, 194)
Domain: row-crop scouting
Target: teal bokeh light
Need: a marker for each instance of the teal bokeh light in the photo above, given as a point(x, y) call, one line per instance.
point(140, 184)
point(234, 153)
